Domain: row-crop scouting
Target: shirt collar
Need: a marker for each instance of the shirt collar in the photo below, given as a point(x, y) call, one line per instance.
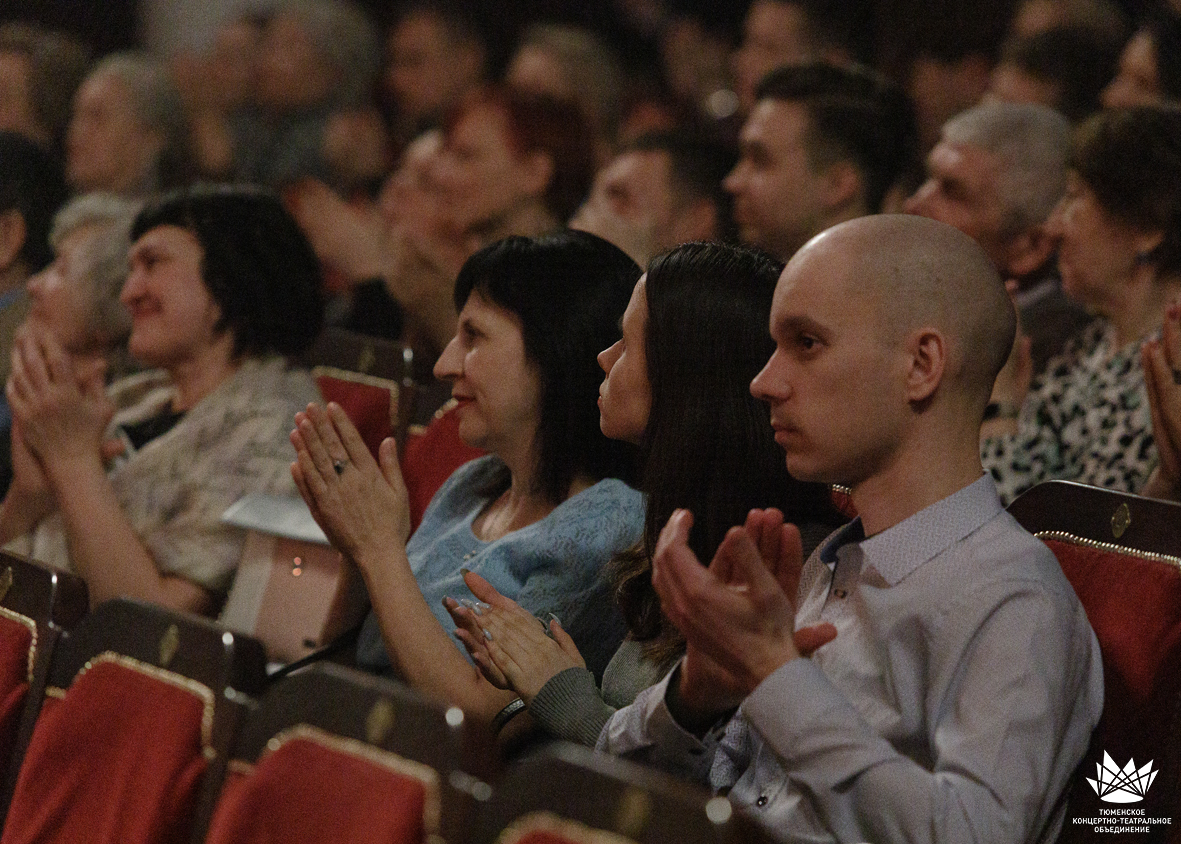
point(897, 551)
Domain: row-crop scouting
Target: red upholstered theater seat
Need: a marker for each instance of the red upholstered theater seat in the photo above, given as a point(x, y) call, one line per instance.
point(1122, 554)
point(370, 377)
point(371, 403)
point(131, 740)
point(431, 455)
point(36, 605)
point(18, 648)
point(383, 763)
point(362, 794)
point(567, 794)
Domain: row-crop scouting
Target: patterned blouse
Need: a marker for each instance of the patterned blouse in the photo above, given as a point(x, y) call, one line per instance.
point(1085, 419)
point(174, 489)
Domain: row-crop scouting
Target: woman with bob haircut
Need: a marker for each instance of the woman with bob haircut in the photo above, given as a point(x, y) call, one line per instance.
point(127, 486)
point(678, 385)
point(1118, 231)
point(539, 516)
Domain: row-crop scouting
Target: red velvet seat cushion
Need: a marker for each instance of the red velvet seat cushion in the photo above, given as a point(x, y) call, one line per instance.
point(366, 402)
point(16, 654)
point(117, 760)
point(316, 788)
point(1134, 606)
point(430, 458)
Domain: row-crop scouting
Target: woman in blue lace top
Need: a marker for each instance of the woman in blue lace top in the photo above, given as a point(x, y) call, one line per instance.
point(540, 515)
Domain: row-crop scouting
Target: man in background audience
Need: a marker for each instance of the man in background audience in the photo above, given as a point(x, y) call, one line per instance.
point(776, 33)
point(435, 55)
point(1065, 68)
point(39, 73)
point(822, 145)
point(996, 174)
point(663, 190)
point(953, 679)
point(317, 63)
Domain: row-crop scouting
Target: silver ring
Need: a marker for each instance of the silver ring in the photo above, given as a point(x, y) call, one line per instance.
point(339, 465)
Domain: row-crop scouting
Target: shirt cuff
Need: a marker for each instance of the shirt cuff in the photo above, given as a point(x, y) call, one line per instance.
point(803, 716)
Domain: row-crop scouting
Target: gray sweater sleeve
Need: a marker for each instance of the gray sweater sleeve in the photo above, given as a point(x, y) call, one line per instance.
point(570, 706)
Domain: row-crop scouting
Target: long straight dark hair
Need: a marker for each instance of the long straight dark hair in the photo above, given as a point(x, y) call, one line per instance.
point(708, 446)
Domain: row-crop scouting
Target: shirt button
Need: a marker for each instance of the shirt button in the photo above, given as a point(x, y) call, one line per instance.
point(840, 593)
point(762, 801)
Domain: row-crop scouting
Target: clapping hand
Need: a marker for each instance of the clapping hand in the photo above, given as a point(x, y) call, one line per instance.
point(363, 507)
point(1161, 362)
point(509, 645)
point(738, 614)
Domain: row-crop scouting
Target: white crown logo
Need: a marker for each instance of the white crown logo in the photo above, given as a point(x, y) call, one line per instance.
point(1121, 786)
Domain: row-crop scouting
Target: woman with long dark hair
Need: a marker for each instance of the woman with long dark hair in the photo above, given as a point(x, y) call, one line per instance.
point(678, 384)
point(540, 515)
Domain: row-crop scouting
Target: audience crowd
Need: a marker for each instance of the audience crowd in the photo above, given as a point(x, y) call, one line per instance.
point(906, 258)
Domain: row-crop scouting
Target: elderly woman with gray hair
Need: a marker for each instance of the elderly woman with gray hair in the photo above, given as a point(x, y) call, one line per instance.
point(317, 63)
point(128, 133)
point(76, 297)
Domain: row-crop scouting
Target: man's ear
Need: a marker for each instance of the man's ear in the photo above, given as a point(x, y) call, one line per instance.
point(927, 359)
point(1147, 242)
point(842, 185)
point(1027, 252)
point(12, 237)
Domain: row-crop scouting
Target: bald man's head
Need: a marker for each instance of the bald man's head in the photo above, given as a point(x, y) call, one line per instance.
point(922, 273)
point(889, 332)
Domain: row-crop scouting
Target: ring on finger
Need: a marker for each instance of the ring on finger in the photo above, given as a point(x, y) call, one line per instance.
point(339, 466)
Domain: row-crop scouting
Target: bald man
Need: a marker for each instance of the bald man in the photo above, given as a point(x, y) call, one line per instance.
point(929, 675)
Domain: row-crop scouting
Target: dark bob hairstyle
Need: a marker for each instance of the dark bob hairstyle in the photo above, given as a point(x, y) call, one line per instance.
point(1131, 161)
point(256, 263)
point(569, 290)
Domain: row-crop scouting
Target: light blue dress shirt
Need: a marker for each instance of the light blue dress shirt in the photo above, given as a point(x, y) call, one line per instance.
point(953, 706)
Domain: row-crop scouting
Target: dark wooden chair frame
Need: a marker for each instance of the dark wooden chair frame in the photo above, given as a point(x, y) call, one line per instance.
point(606, 793)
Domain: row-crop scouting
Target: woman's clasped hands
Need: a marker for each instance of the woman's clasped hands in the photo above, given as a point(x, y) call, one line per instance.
point(512, 648)
point(60, 410)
